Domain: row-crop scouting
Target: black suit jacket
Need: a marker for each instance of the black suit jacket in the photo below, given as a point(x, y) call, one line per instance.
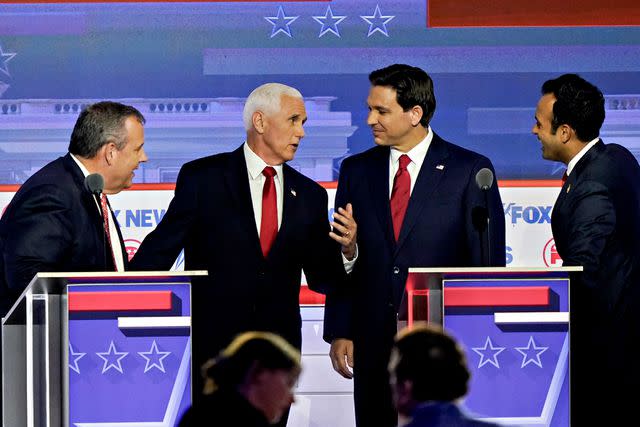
point(596, 224)
point(211, 217)
point(437, 231)
point(52, 224)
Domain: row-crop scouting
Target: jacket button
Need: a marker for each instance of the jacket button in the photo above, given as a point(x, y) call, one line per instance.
point(396, 270)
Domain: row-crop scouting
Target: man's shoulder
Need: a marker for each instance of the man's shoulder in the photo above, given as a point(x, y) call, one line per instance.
point(302, 180)
point(54, 174)
point(458, 152)
point(208, 164)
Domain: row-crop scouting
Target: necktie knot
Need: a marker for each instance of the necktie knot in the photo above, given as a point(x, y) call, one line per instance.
point(269, 172)
point(564, 177)
point(404, 161)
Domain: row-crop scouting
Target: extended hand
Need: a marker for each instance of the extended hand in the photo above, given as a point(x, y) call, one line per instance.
point(347, 228)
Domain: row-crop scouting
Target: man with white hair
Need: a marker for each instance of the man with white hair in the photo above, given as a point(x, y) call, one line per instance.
point(253, 223)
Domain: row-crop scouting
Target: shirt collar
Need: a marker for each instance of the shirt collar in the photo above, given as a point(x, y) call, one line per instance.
point(255, 165)
point(82, 167)
point(417, 153)
point(572, 164)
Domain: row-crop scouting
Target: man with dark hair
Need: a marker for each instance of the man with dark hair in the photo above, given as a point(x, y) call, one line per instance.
point(413, 198)
point(595, 225)
point(428, 373)
point(54, 223)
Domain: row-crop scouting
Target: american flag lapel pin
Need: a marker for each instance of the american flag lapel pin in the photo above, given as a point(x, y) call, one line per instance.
point(293, 192)
point(440, 167)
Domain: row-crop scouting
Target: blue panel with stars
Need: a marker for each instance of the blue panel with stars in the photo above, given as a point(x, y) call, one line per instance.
point(516, 351)
point(133, 366)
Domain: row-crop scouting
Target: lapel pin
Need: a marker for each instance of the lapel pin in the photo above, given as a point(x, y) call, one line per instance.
point(440, 167)
point(293, 192)
point(568, 188)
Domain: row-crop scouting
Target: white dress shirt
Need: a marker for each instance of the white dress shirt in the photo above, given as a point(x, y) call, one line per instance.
point(417, 155)
point(113, 232)
point(255, 166)
point(572, 164)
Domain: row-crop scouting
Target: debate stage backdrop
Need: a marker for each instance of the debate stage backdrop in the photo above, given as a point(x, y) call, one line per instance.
point(188, 67)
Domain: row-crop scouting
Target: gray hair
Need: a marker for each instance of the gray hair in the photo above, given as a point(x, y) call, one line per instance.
point(266, 98)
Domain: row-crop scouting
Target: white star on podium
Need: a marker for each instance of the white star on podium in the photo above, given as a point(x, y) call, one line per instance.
point(155, 354)
point(75, 356)
point(280, 23)
point(378, 22)
point(528, 357)
point(112, 358)
point(488, 348)
point(332, 25)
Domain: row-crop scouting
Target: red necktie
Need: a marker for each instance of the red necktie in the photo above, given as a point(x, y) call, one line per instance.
point(269, 221)
point(400, 194)
point(564, 177)
point(105, 222)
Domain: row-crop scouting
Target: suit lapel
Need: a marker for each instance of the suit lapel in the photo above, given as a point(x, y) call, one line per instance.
point(91, 206)
point(237, 180)
point(429, 177)
point(379, 187)
point(289, 205)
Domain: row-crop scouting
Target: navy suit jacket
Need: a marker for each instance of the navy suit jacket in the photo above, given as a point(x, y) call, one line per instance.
point(443, 414)
point(211, 217)
point(437, 231)
point(52, 224)
point(596, 224)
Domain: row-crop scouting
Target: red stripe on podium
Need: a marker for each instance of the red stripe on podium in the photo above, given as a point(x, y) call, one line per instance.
point(119, 301)
point(496, 296)
point(309, 297)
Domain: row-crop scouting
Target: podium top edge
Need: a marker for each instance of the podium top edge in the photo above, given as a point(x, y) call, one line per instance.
point(509, 270)
point(117, 274)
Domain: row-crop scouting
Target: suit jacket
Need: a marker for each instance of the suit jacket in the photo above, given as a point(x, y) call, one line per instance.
point(443, 414)
point(437, 231)
point(211, 217)
point(52, 224)
point(596, 224)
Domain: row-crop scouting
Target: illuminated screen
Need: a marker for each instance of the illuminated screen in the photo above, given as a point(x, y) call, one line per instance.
point(188, 66)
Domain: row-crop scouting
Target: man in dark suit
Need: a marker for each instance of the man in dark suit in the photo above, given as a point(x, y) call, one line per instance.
point(54, 223)
point(596, 225)
point(253, 223)
point(413, 198)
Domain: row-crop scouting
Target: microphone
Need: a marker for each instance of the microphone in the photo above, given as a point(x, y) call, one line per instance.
point(480, 214)
point(94, 183)
point(484, 179)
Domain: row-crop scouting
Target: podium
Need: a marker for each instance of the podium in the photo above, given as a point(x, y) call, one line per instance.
point(513, 324)
point(98, 349)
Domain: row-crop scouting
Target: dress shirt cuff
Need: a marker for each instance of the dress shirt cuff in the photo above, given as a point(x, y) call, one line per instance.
point(348, 265)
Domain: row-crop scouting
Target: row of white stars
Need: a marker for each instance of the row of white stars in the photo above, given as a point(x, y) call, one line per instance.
point(112, 358)
point(530, 354)
point(377, 22)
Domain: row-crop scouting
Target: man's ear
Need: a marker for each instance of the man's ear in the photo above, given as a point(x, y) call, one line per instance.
point(108, 152)
point(566, 133)
point(258, 121)
point(416, 115)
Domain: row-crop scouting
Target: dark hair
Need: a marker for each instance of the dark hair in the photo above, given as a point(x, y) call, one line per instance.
point(248, 350)
point(579, 104)
point(413, 87)
point(99, 124)
point(433, 362)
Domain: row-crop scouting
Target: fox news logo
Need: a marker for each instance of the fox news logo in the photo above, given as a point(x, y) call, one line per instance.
point(550, 255)
point(528, 214)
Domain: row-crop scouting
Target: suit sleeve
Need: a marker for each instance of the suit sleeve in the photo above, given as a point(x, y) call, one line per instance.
point(475, 199)
point(338, 311)
point(162, 246)
point(39, 237)
point(322, 261)
point(593, 221)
